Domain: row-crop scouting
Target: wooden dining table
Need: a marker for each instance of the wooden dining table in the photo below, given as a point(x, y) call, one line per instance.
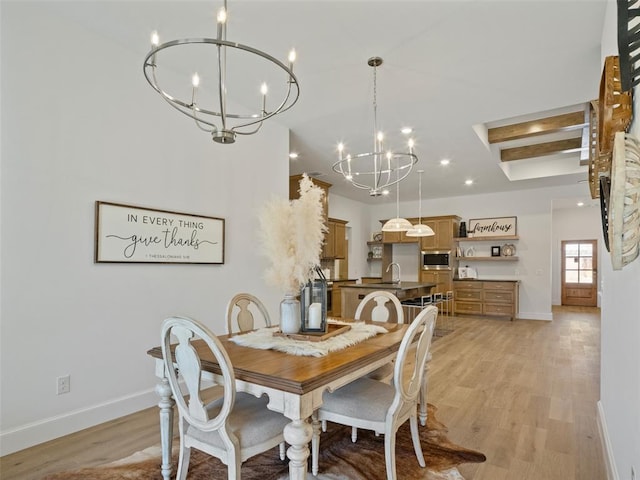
point(294, 384)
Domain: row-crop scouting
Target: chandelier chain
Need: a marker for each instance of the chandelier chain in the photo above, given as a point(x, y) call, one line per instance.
point(377, 169)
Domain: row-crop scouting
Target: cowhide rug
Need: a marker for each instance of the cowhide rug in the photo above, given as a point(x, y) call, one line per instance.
point(340, 459)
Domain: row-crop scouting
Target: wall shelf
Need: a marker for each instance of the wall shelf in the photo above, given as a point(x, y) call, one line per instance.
point(375, 249)
point(485, 239)
point(487, 259)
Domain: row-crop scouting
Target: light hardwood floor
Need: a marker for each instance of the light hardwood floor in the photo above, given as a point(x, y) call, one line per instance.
point(524, 393)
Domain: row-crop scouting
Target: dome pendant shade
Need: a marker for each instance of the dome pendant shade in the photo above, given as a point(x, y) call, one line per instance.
point(420, 230)
point(397, 225)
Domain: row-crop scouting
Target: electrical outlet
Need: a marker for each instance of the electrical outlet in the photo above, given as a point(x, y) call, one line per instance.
point(63, 384)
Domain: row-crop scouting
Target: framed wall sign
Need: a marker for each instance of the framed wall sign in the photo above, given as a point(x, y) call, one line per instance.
point(493, 227)
point(127, 234)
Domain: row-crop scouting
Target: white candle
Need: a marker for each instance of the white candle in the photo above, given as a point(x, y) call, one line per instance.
point(315, 315)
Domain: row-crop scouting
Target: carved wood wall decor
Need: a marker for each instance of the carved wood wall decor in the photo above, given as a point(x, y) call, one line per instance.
point(624, 203)
point(599, 164)
point(629, 42)
point(605, 198)
point(614, 105)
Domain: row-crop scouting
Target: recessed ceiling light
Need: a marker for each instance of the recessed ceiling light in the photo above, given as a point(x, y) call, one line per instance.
point(385, 192)
point(580, 204)
point(468, 182)
point(444, 161)
point(293, 155)
point(406, 130)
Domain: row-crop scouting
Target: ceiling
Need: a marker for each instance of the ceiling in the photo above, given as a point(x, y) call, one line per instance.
point(453, 70)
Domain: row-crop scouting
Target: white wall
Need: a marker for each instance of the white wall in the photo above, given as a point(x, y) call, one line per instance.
point(619, 406)
point(533, 209)
point(80, 124)
point(357, 214)
point(579, 223)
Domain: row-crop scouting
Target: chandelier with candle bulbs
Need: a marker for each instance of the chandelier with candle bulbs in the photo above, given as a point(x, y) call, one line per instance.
point(206, 103)
point(378, 169)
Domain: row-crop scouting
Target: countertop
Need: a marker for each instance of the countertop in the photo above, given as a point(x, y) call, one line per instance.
point(484, 280)
point(392, 286)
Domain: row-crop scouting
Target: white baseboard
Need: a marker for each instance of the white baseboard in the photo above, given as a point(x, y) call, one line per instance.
point(535, 316)
point(28, 435)
point(607, 451)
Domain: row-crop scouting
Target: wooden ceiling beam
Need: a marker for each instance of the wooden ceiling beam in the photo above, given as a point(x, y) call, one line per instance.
point(541, 126)
point(541, 149)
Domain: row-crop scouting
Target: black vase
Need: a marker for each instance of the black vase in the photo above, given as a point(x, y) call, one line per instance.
point(463, 229)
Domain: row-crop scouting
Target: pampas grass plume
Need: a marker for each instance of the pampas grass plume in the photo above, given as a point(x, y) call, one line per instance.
point(292, 233)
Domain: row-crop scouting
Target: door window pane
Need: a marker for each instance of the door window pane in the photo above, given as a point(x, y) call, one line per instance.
point(586, 263)
point(571, 263)
point(571, 249)
point(586, 276)
point(571, 276)
point(586, 250)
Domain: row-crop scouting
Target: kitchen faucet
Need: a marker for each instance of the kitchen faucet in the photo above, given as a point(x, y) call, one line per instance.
point(397, 280)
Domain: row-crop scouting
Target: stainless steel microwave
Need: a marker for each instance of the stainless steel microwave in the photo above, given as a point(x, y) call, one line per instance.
point(436, 260)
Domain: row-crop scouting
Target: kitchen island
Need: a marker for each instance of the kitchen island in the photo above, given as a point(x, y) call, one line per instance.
point(353, 294)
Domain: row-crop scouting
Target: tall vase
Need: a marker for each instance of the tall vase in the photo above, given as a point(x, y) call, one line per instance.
point(290, 314)
point(463, 230)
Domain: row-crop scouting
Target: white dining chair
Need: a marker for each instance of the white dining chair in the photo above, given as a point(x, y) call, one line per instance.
point(382, 302)
point(378, 406)
point(242, 310)
point(235, 426)
point(380, 311)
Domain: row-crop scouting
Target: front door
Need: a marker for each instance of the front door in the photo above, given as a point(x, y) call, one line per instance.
point(579, 272)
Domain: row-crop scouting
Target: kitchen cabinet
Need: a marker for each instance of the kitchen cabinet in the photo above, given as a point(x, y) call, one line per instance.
point(371, 279)
point(340, 243)
point(336, 297)
point(335, 243)
point(398, 237)
point(353, 294)
point(486, 297)
point(445, 229)
point(443, 280)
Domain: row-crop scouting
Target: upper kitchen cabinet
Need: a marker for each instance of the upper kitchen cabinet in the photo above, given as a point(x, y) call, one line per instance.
point(335, 245)
point(445, 229)
point(335, 242)
point(294, 192)
point(397, 237)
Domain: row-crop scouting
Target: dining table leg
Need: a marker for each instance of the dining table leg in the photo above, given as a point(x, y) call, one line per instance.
point(166, 425)
point(298, 434)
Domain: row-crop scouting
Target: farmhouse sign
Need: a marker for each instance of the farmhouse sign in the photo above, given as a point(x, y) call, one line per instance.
point(126, 234)
point(492, 227)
